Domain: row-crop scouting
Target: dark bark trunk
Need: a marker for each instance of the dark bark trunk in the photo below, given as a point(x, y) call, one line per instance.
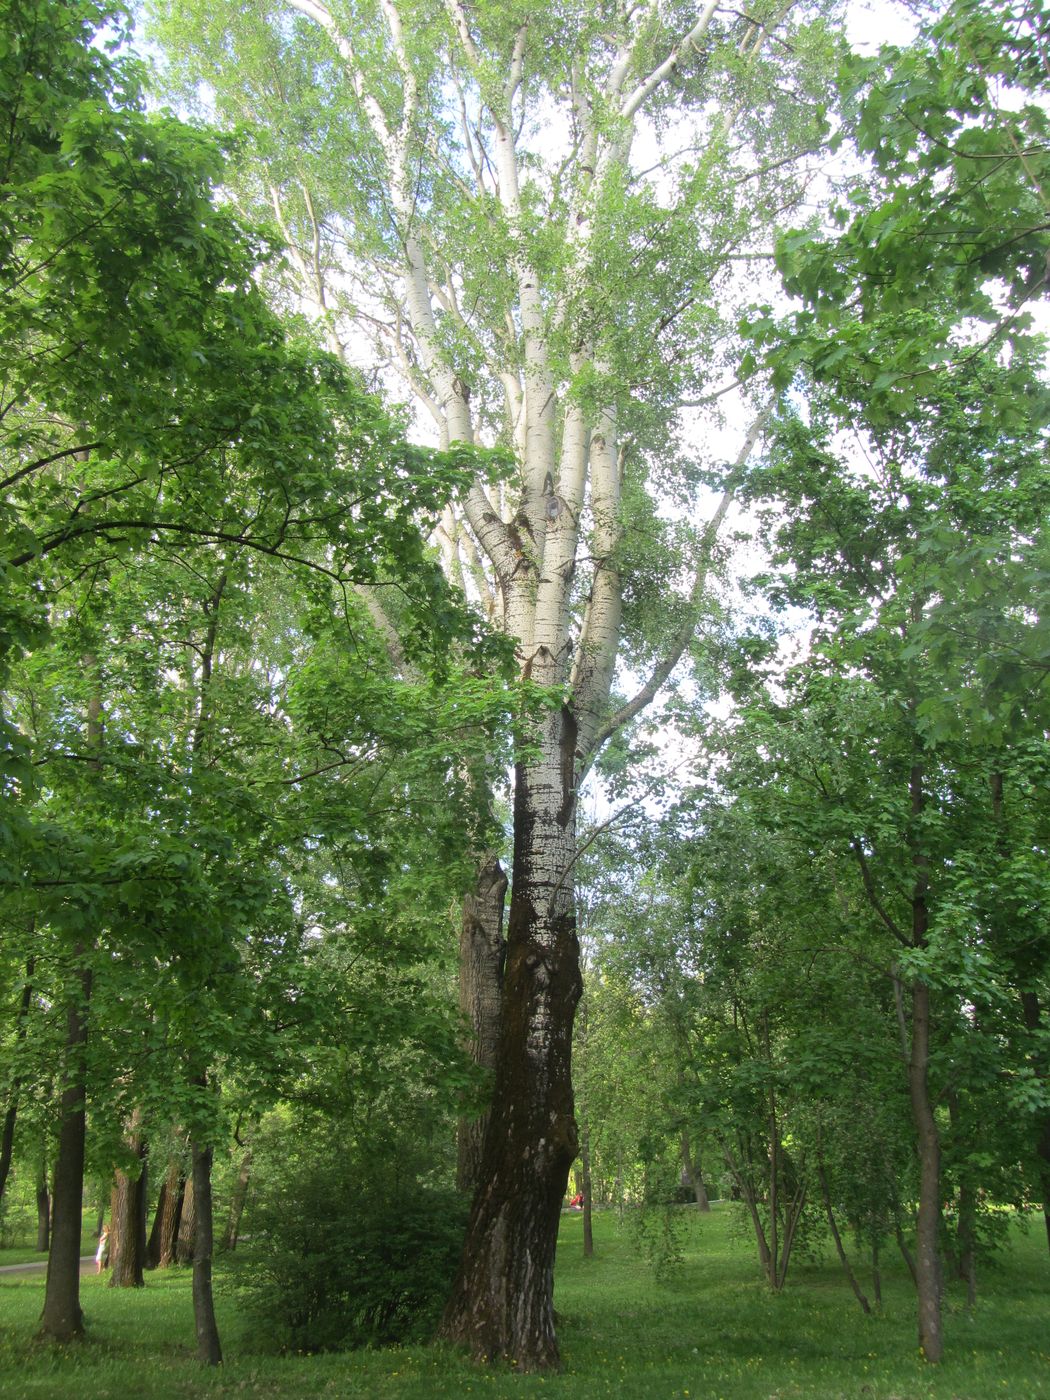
point(160, 1252)
point(876, 1274)
point(43, 1210)
point(482, 953)
point(501, 1303)
point(127, 1223)
point(7, 1137)
point(858, 1292)
point(185, 1241)
point(585, 1166)
point(62, 1319)
point(153, 1243)
point(240, 1195)
point(928, 1219)
point(693, 1175)
point(906, 1255)
point(208, 1349)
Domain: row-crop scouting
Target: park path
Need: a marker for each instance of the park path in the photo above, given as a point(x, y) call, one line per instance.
point(87, 1264)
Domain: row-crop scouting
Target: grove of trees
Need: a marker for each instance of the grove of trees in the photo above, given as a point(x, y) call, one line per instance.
point(371, 435)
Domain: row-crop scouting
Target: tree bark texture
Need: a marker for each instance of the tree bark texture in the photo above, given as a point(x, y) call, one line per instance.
point(163, 1240)
point(501, 1303)
point(240, 1195)
point(62, 1319)
point(127, 1222)
point(482, 954)
point(7, 1137)
point(184, 1244)
point(208, 1349)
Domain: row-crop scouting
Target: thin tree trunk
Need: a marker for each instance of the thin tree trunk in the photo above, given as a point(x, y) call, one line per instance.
point(747, 1195)
point(208, 1349)
point(585, 1165)
point(928, 1219)
point(127, 1220)
point(482, 953)
point(43, 1209)
point(7, 1137)
point(501, 1304)
point(240, 1195)
point(693, 1174)
point(794, 1215)
point(185, 1242)
point(62, 1319)
point(876, 1273)
point(906, 1254)
point(858, 1292)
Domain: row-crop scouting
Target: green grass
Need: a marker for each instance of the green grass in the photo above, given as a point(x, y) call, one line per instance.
point(711, 1332)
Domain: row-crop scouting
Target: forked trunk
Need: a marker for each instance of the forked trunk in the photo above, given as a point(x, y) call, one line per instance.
point(482, 952)
point(168, 1220)
point(62, 1319)
point(502, 1301)
point(208, 1349)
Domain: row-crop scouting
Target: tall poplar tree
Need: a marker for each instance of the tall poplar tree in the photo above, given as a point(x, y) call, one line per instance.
point(533, 213)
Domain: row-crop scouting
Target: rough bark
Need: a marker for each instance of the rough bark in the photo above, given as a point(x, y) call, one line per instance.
point(7, 1137)
point(185, 1240)
point(501, 1302)
point(482, 953)
point(240, 1195)
point(62, 1319)
point(127, 1221)
point(209, 1350)
point(160, 1252)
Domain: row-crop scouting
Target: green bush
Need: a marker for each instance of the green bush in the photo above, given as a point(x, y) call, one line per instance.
point(340, 1259)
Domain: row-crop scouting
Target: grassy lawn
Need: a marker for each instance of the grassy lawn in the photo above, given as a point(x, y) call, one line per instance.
point(711, 1333)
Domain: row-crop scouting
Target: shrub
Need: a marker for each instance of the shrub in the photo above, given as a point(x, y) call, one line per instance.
point(342, 1256)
